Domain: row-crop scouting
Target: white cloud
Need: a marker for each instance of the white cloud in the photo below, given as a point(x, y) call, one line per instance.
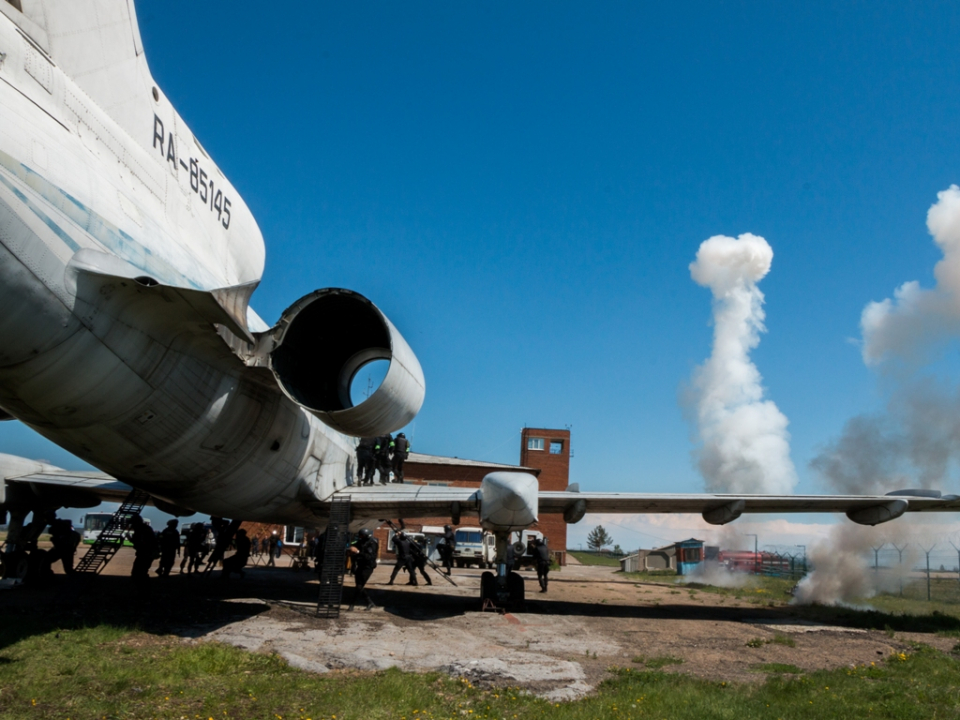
point(745, 446)
point(916, 320)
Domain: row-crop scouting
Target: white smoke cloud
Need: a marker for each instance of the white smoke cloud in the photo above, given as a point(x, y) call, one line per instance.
point(745, 446)
point(916, 320)
point(915, 441)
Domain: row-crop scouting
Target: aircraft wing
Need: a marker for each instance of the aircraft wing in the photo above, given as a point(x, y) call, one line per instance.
point(68, 488)
point(381, 502)
point(417, 501)
point(719, 509)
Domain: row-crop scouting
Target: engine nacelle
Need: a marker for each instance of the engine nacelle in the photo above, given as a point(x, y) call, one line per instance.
point(319, 345)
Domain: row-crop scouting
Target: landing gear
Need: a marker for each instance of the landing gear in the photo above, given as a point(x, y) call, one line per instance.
point(503, 590)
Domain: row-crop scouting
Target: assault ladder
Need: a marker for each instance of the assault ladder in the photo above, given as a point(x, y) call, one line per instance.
point(111, 537)
point(334, 559)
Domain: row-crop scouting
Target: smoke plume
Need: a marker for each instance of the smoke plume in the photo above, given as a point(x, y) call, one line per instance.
point(915, 443)
point(916, 440)
point(842, 564)
point(917, 321)
point(711, 573)
point(745, 446)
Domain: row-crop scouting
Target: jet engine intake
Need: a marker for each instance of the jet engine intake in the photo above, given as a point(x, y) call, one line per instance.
point(319, 345)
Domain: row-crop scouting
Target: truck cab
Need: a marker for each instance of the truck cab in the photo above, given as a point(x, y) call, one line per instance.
point(474, 547)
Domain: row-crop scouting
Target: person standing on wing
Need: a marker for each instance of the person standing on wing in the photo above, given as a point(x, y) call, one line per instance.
point(401, 451)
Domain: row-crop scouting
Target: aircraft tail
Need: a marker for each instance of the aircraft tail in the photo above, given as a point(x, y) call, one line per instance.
point(97, 44)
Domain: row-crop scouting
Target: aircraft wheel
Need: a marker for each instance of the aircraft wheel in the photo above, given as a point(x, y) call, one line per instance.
point(516, 590)
point(488, 587)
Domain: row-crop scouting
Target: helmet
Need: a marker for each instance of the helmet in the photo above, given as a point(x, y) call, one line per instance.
point(400, 435)
point(171, 523)
point(364, 534)
point(448, 527)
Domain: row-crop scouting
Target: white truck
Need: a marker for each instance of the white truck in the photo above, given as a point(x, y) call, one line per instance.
point(474, 547)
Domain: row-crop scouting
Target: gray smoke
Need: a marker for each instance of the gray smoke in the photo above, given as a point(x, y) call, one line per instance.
point(916, 441)
point(843, 572)
point(745, 446)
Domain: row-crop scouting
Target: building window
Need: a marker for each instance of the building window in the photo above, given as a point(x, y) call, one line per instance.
point(556, 447)
point(292, 535)
point(534, 443)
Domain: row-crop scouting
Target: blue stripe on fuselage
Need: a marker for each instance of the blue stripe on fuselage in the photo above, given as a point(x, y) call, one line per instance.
point(106, 233)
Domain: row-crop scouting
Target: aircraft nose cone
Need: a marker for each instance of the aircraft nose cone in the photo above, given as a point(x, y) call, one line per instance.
point(508, 501)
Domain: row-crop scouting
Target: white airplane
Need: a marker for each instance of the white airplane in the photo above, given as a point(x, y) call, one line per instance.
point(127, 264)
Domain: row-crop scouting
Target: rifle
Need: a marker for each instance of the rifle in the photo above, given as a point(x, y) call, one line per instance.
point(426, 557)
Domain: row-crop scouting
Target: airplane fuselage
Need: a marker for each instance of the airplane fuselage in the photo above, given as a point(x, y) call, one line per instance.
point(172, 414)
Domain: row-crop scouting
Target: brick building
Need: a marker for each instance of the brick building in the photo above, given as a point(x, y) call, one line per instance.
point(544, 453)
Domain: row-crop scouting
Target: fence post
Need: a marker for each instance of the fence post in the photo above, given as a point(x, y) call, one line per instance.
point(927, 551)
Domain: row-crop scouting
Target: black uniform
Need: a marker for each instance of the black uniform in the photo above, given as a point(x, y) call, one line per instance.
point(65, 540)
point(169, 549)
point(236, 562)
point(366, 460)
point(364, 563)
point(144, 541)
point(404, 549)
point(401, 451)
point(195, 548)
point(420, 560)
point(447, 548)
point(383, 449)
point(541, 554)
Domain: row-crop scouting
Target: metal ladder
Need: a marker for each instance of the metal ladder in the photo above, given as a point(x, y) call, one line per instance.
point(334, 559)
point(111, 538)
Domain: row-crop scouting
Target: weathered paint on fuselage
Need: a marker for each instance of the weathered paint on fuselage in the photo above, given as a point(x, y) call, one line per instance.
point(194, 427)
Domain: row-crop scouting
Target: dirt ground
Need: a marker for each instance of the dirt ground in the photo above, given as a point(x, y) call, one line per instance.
point(592, 618)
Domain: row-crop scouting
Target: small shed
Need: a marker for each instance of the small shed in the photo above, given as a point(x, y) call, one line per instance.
point(681, 556)
point(689, 554)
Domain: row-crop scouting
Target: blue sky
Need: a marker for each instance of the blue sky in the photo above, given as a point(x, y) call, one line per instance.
point(521, 188)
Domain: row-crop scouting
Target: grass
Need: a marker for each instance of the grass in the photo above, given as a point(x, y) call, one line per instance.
point(115, 672)
point(778, 669)
point(777, 639)
point(655, 663)
point(591, 559)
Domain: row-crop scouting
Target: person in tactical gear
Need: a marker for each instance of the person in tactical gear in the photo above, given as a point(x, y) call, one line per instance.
point(273, 549)
point(447, 547)
point(169, 548)
point(65, 540)
point(144, 541)
point(403, 547)
point(195, 548)
point(419, 557)
point(363, 560)
point(401, 451)
point(383, 449)
point(541, 555)
point(236, 562)
point(366, 460)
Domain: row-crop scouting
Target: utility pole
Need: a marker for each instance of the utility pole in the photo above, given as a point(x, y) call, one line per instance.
point(756, 556)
